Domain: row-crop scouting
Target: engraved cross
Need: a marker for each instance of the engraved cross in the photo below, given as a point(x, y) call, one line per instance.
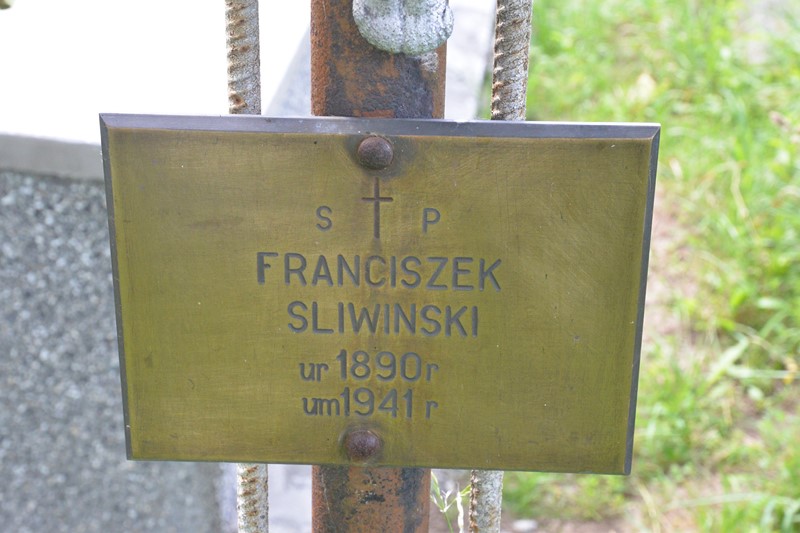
point(376, 200)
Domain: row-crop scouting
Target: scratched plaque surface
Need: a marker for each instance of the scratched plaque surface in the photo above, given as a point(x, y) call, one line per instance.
point(478, 303)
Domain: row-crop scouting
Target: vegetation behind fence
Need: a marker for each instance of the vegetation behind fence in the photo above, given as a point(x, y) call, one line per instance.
point(718, 431)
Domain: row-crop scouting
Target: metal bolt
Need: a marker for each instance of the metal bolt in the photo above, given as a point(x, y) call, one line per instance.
point(362, 445)
point(375, 153)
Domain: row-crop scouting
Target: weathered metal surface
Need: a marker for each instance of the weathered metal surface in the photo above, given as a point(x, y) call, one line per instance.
point(365, 500)
point(485, 289)
point(362, 445)
point(351, 78)
point(375, 152)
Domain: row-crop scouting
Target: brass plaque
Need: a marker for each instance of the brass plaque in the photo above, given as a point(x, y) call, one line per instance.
point(478, 303)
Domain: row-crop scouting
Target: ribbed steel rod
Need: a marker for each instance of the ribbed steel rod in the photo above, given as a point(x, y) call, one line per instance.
point(511, 52)
point(252, 501)
point(509, 96)
point(244, 97)
point(244, 70)
point(485, 501)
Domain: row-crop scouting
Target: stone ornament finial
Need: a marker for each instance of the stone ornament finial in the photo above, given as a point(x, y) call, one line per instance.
point(411, 27)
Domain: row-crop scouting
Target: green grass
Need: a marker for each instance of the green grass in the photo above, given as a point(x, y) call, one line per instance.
point(718, 435)
point(451, 503)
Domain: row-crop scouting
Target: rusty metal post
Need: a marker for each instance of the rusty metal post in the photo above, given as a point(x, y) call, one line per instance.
point(357, 499)
point(349, 77)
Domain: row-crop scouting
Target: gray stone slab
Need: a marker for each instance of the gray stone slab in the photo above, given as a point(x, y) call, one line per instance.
point(62, 451)
point(48, 157)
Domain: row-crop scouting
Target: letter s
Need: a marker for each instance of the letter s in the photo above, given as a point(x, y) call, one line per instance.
point(303, 324)
point(323, 213)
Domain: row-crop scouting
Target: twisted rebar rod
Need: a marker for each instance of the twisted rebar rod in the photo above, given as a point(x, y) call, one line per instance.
point(244, 97)
point(485, 501)
point(511, 50)
point(252, 502)
point(509, 93)
point(244, 70)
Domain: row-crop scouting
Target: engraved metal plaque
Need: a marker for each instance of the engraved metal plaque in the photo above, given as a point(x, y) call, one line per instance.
point(477, 303)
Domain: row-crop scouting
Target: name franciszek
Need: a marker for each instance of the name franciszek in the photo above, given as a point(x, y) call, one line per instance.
point(432, 273)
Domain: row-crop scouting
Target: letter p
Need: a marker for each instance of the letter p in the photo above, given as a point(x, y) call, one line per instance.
point(430, 216)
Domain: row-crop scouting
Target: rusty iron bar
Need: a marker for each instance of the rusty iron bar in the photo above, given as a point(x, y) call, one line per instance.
point(356, 499)
point(350, 77)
